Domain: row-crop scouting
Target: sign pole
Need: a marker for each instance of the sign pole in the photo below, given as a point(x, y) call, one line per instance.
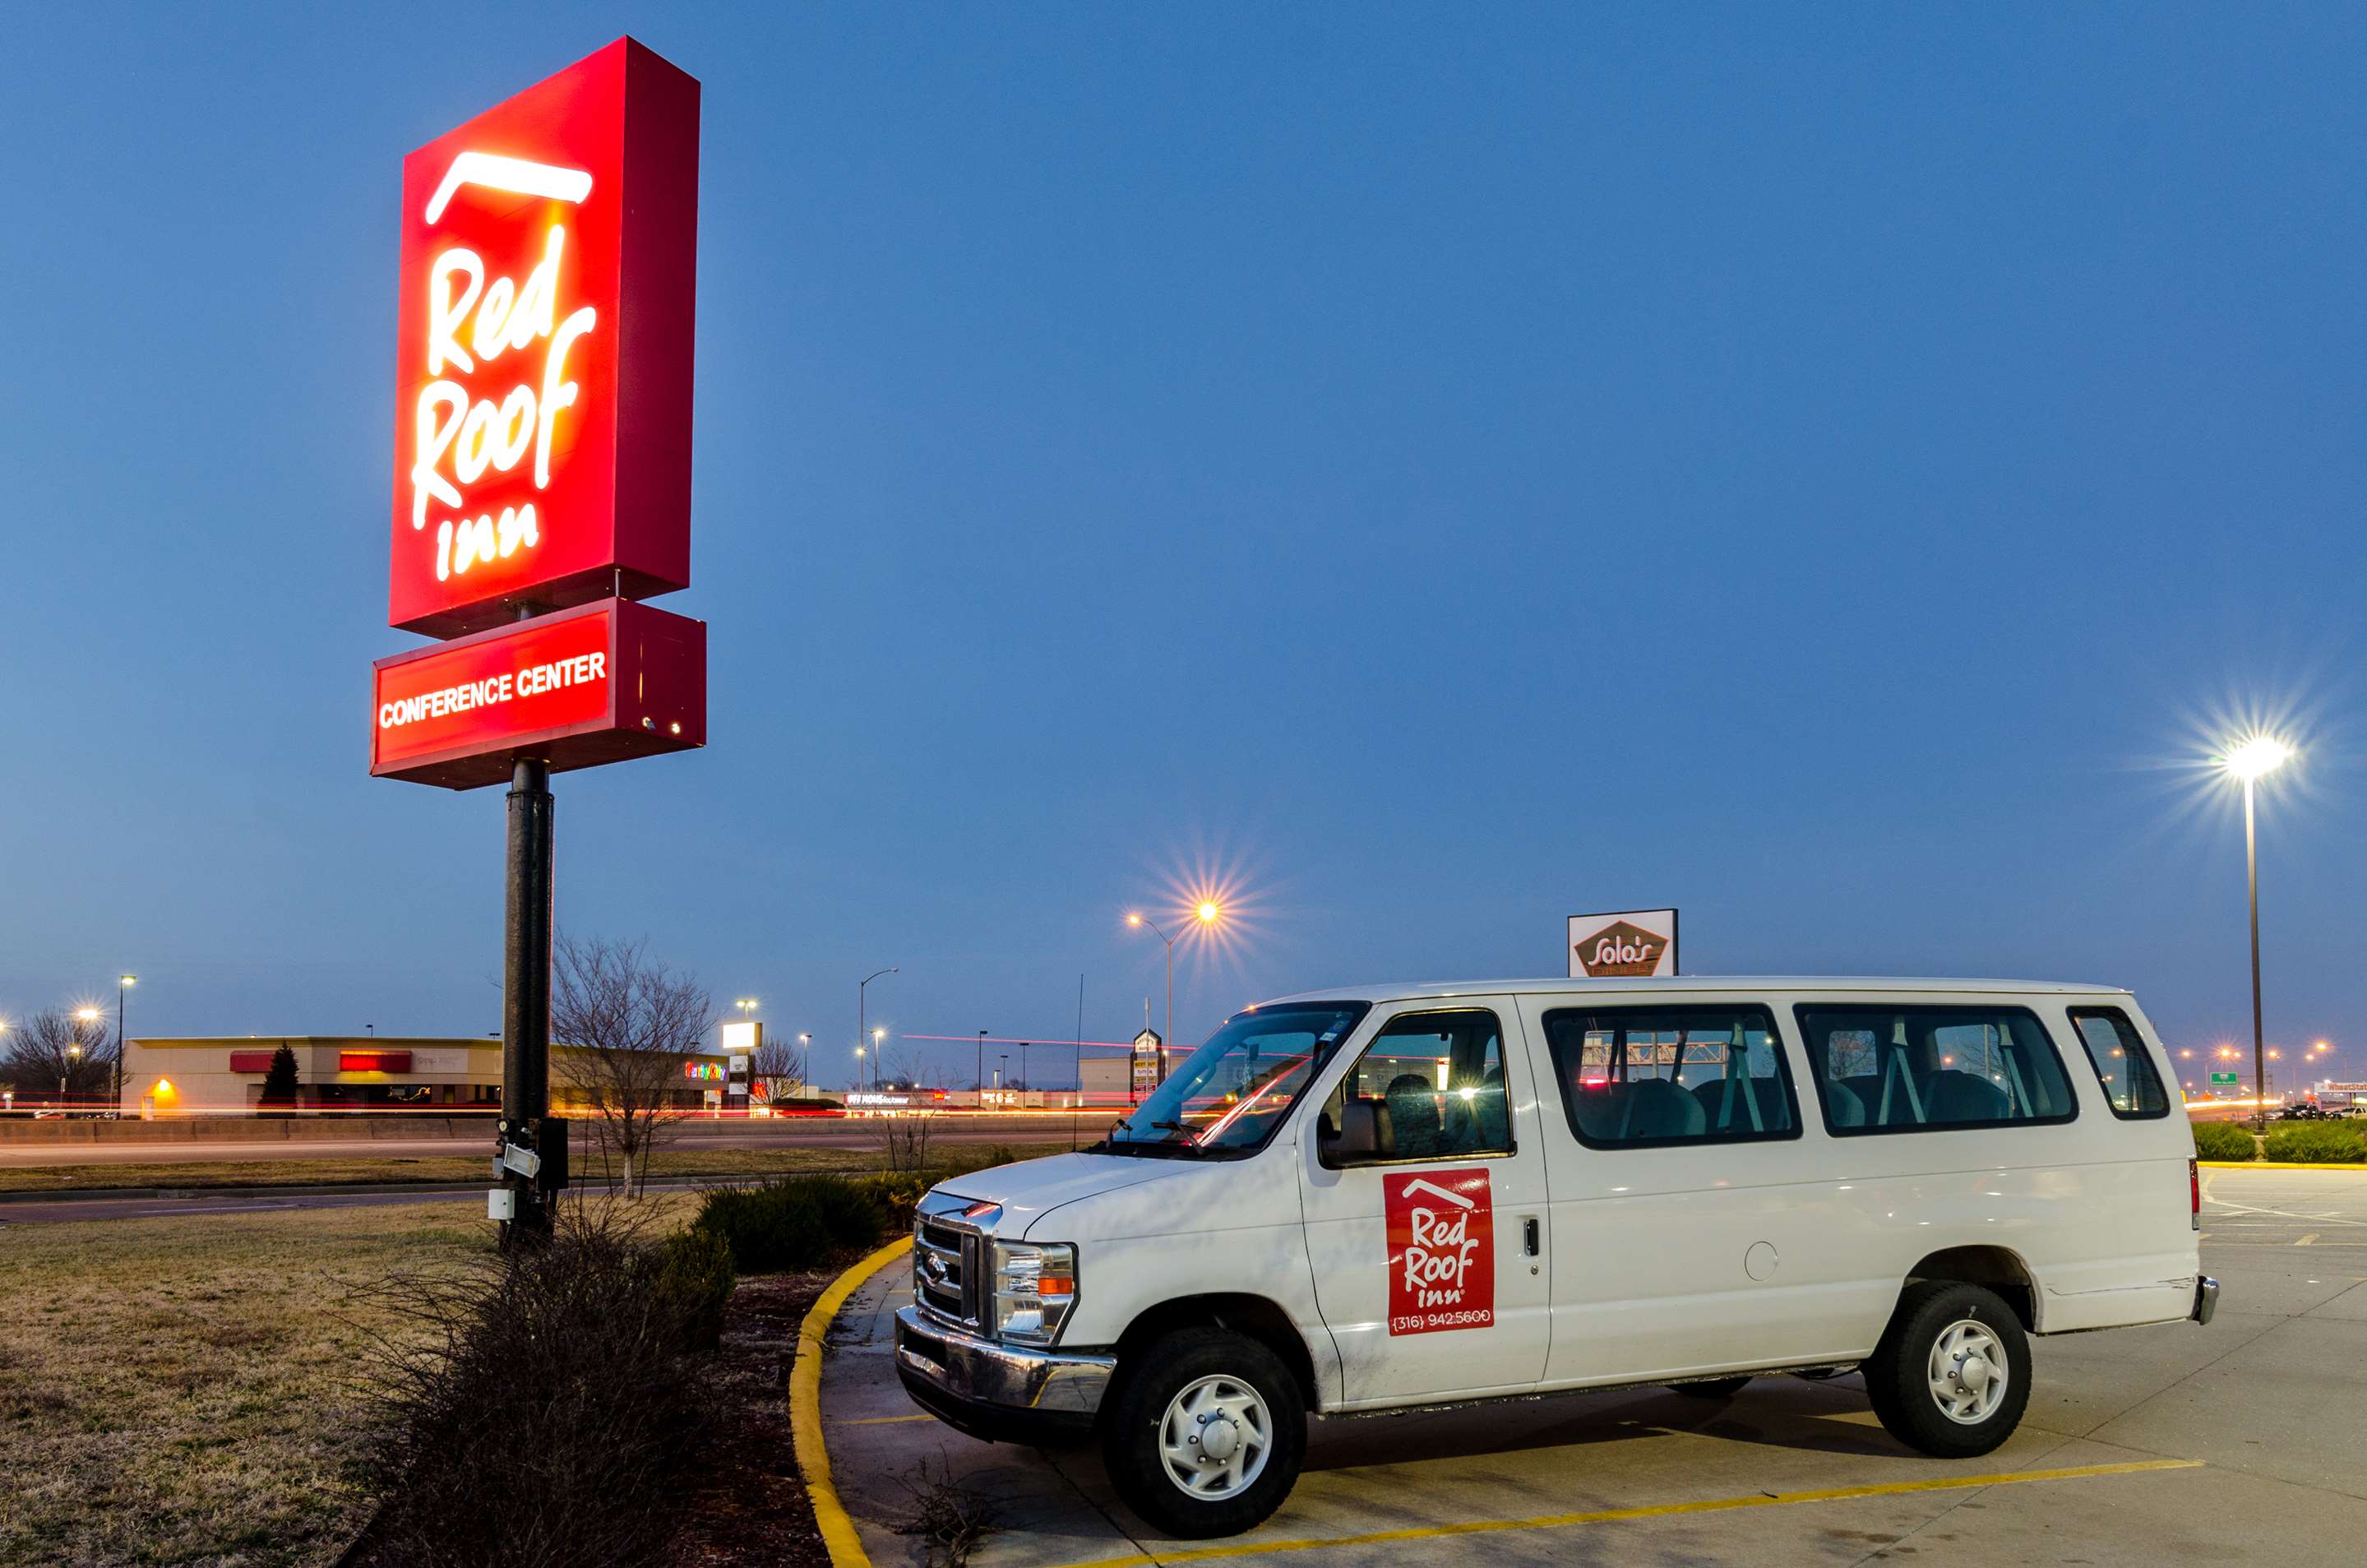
point(526, 993)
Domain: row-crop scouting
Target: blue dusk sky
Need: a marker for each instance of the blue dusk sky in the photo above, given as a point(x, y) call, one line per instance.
point(1426, 471)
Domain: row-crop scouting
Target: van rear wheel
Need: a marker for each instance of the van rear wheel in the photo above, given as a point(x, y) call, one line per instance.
point(1951, 1376)
point(1203, 1433)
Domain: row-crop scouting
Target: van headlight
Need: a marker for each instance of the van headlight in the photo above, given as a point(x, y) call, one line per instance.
point(1034, 1285)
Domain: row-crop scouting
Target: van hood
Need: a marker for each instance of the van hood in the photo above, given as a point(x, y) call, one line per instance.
point(1032, 1188)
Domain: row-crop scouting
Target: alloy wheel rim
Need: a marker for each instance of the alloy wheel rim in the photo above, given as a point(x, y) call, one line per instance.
point(1968, 1372)
point(1214, 1439)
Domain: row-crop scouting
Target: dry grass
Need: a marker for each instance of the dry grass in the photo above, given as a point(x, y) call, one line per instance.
point(185, 1390)
point(64, 1180)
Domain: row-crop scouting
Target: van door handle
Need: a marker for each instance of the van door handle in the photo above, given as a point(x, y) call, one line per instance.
point(1529, 1236)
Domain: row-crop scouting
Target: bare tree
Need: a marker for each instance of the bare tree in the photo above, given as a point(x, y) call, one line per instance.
point(775, 1065)
point(55, 1047)
point(630, 1019)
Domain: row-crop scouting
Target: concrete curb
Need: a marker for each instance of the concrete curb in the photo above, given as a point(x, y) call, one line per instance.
point(838, 1532)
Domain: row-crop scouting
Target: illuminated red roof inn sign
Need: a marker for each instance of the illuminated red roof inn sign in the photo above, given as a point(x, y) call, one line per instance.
point(543, 360)
point(542, 432)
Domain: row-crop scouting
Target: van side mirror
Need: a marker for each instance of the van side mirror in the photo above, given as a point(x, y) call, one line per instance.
point(1364, 1134)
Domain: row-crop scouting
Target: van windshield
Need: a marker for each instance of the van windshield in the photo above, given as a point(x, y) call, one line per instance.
point(1229, 1095)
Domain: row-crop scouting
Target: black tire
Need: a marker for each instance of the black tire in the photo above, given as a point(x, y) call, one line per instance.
point(1133, 1444)
point(1898, 1373)
point(1716, 1388)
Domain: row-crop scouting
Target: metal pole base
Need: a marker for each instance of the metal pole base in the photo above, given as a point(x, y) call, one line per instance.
point(525, 1005)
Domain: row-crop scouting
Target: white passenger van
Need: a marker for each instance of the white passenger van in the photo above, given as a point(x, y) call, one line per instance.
point(1397, 1195)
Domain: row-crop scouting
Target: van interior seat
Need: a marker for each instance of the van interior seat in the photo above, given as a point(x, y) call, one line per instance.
point(1953, 1095)
point(1494, 1115)
point(1866, 1090)
point(1843, 1105)
point(1655, 1107)
point(1413, 1114)
point(1715, 1108)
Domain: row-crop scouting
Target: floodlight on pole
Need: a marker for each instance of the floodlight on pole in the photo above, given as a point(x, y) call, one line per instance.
point(2251, 760)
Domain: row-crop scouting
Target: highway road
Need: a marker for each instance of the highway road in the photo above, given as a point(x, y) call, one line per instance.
point(854, 1136)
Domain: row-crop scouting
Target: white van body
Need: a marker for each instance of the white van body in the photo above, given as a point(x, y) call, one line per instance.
point(1786, 1242)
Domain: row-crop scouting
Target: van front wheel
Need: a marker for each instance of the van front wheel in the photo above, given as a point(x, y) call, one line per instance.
point(1951, 1373)
point(1204, 1434)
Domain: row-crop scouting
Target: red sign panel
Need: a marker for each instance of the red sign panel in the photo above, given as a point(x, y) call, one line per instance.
point(373, 1062)
point(598, 683)
point(543, 380)
point(1442, 1231)
point(251, 1061)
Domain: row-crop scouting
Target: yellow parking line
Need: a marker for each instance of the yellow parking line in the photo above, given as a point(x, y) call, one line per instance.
point(881, 1420)
point(1655, 1511)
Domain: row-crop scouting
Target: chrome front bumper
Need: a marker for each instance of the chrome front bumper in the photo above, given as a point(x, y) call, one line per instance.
point(1001, 1391)
point(2206, 1298)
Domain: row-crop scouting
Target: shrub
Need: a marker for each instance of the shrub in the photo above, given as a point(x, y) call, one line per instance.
point(2223, 1140)
point(793, 1221)
point(694, 1276)
point(2316, 1143)
point(552, 1412)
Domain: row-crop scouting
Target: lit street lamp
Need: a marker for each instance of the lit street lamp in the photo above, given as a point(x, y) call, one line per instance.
point(805, 1049)
point(123, 983)
point(1206, 915)
point(2252, 760)
point(877, 1036)
point(861, 1018)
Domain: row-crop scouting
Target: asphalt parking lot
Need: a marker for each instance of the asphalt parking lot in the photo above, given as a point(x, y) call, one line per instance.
point(2242, 1442)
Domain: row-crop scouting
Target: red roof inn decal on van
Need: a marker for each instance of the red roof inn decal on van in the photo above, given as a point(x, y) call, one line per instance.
point(1441, 1250)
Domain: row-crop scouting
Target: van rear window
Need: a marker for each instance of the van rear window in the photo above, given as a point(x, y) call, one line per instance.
point(2122, 1064)
point(1933, 1069)
point(1638, 1077)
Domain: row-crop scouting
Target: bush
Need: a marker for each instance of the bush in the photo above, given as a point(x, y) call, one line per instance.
point(551, 1413)
point(793, 1221)
point(694, 1276)
point(2223, 1140)
point(2316, 1143)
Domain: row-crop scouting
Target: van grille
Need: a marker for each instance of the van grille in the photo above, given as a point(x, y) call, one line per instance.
point(945, 1271)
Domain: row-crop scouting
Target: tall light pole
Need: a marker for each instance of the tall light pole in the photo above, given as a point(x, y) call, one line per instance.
point(123, 983)
point(805, 1049)
point(862, 1018)
point(2252, 760)
point(981, 1065)
point(1205, 914)
point(878, 1079)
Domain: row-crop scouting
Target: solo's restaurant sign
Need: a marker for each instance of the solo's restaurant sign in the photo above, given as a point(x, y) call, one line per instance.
point(542, 431)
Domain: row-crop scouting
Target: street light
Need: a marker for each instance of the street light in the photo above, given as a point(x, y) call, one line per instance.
point(73, 1054)
point(861, 1018)
point(2251, 760)
point(805, 1049)
point(1206, 915)
point(877, 1036)
point(982, 1066)
point(123, 983)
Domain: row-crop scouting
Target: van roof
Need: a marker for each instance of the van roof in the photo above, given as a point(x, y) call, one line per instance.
point(1555, 985)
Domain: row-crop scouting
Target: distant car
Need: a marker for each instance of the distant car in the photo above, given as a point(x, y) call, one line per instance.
point(2304, 1112)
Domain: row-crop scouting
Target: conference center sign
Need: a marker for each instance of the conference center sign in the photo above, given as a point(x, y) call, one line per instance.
point(542, 434)
point(598, 683)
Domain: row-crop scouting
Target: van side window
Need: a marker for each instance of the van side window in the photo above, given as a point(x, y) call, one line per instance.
point(1639, 1077)
point(1436, 1084)
point(1931, 1069)
point(2122, 1064)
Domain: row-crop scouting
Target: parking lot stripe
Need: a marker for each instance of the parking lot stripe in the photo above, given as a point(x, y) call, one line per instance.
point(838, 1532)
point(1652, 1511)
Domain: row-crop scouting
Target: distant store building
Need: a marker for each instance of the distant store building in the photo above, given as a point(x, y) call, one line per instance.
point(224, 1076)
